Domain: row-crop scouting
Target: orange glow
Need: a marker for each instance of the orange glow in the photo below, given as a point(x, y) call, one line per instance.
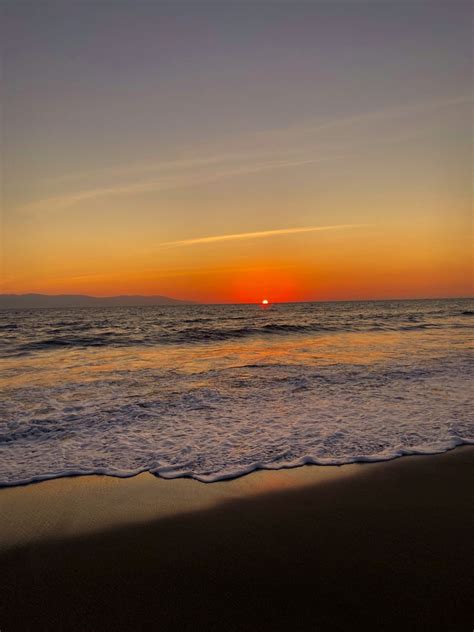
point(262, 185)
point(366, 264)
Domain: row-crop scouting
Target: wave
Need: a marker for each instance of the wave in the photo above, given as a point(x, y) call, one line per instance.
point(220, 411)
point(92, 341)
point(196, 334)
point(60, 339)
point(170, 472)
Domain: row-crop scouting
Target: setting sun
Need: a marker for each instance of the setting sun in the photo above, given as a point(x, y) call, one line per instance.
point(265, 301)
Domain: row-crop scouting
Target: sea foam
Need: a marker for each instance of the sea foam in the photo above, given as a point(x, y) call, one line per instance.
point(328, 389)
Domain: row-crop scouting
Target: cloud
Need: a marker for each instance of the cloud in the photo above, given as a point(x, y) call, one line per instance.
point(62, 202)
point(168, 165)
point(178, 173)
point(257, 235)
point(386, 113)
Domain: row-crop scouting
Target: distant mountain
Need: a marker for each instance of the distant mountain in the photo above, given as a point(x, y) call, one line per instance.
point(81, 300)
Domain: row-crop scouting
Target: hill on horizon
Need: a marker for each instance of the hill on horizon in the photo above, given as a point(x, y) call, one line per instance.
point(83, 300)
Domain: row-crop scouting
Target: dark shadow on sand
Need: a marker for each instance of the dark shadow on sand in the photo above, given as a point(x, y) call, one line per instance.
point(390, 550)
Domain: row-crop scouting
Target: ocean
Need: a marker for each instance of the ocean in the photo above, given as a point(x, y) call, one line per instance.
point(216, 391)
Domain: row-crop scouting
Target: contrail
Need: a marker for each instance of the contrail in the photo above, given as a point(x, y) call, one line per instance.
point(258, 234)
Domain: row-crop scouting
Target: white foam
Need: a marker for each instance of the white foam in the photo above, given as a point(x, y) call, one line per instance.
point(385, 380)
point(220, 424)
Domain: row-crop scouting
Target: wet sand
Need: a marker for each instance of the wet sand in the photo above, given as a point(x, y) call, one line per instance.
point(381, 546)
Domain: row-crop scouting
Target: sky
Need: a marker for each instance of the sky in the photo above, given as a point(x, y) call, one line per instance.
point(235, 151)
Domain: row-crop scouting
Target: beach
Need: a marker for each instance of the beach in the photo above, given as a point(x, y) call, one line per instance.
point(381, 546)
point(236, 316)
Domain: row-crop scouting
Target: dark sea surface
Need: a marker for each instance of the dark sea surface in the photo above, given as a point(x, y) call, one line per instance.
point(213, 391)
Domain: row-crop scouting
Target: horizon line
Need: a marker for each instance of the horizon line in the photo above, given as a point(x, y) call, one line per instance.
point(196, 302)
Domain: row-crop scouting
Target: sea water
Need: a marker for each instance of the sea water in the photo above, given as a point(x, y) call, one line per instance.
point(213, 392)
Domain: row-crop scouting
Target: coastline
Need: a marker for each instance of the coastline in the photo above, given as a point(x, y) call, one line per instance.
point(386, 544)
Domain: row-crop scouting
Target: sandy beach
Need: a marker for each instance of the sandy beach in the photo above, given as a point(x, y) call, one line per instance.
point(382, 545)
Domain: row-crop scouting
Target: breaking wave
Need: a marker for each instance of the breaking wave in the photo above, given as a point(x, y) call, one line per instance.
point(217, 392)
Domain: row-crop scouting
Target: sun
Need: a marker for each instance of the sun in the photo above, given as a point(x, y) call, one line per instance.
point(265, 301)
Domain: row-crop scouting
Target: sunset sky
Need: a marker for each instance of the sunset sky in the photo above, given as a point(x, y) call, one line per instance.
point(231, 151)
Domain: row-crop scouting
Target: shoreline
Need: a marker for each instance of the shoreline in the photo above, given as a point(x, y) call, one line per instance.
point(116, 500)
point(236, 474)
point(385, 544)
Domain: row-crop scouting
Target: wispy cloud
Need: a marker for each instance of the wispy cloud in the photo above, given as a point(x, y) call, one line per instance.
point(258, 235)
point(153, 167)
point(189, 171)
point(61, 202)
point(306, 128)
point(386, 113)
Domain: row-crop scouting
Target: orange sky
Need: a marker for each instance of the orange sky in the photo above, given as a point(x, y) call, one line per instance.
point(228, 158)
